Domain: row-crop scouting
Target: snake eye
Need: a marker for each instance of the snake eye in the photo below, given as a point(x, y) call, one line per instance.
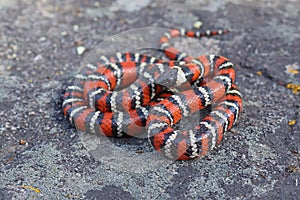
point(172, 79)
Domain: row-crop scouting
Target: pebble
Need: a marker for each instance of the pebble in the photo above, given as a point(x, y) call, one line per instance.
point(197, 24)
point(53, 130)
point(32, 113)
point(47, 128)
point(12, 56)
point(7, 125)
point(80, 50)
point(75, 28)
point(14, 47)
point(42, 39)
point(64, 33)
point(37, 58)
point(23, 142)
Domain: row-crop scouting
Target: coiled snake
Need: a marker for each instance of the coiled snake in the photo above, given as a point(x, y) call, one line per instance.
point(122, 94)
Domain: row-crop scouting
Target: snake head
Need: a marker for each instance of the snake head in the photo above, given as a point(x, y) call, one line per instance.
point(173, 76)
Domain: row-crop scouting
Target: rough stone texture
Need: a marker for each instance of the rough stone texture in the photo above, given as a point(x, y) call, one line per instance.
point(259, 159)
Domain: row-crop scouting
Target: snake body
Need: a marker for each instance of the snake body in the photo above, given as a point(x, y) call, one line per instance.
point(123, 94)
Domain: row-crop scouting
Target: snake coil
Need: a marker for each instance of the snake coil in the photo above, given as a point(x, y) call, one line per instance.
point(122, 94)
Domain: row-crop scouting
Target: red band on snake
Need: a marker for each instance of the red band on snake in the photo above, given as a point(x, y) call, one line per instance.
point(123, 94)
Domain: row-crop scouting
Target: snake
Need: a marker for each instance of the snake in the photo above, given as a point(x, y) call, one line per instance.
point(131, 94)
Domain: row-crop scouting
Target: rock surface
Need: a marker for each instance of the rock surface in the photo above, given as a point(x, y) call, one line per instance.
point(43, 157)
